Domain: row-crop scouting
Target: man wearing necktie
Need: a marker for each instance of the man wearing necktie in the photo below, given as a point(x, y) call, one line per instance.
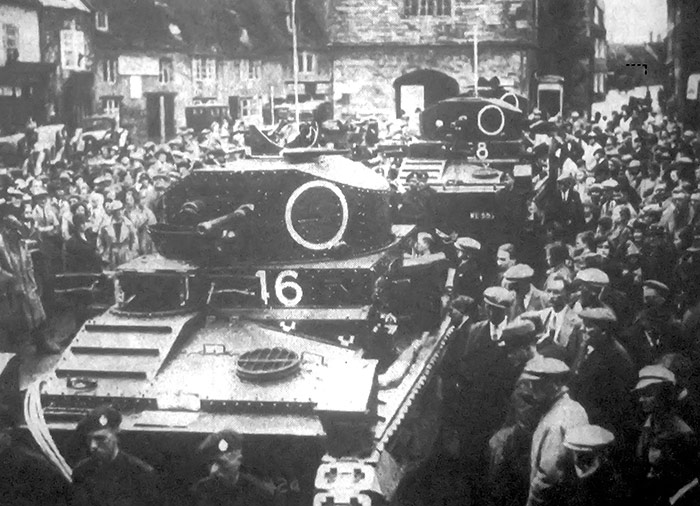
point(562, 327)
point(485, 379)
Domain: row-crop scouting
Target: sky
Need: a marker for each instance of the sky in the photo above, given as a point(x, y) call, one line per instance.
point(630, 21)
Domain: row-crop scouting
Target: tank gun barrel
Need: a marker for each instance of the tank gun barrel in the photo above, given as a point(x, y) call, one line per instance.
point(231, 219)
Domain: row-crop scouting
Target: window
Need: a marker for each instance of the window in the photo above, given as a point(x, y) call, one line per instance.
point(427, 7)
point(101, 21)
point(597, 16)
point(109, 70)
point(250, 70)
point(73, 50)
point(111, 107)
point(246, 105)
point(250, 108)
point(599, 83)
point(10, 39)
point(204, 69)
point(307, 62)
point(10, 36)
point(600, 48)
point(165, 72)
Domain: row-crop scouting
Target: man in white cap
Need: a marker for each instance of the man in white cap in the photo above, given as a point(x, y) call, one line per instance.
point(654, 331)
point(658, 395)
point(548, 454)
point(596, 482)
point(518, 279)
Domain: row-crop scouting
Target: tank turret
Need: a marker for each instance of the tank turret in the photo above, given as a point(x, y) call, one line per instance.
point(273, 210)
point(275, 309)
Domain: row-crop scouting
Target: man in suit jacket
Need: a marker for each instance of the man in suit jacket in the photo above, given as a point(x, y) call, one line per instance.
point(518, 279)
point(486, 378)
point(603, 375)
point(566, 207)
point(562, 327)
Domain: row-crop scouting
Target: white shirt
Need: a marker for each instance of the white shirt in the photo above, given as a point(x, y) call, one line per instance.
point(496, 331)
point(555, 323)
point(527, 298)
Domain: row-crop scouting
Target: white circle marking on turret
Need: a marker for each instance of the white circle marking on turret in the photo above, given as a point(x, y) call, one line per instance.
point(481, 127)
point(288, 215)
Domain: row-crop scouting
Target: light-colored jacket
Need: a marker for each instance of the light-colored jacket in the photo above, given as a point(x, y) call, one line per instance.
point(548, 454)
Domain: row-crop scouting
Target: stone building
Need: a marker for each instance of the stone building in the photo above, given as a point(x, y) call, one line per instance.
point(683, 50)
point(572, 44)
point(161, 65)
point(24, 79)
point(390, 56)
point(67, 30)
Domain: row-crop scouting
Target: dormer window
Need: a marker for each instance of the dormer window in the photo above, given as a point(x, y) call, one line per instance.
point(101, 21)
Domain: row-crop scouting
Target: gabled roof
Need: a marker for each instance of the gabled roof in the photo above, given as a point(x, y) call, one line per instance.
point(27, 4)
point(217, 27)
point(65, 4)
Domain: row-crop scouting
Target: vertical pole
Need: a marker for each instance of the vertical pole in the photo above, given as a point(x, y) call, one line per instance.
point(162, 118)
point(295, 60)
point(272, 104)
point(476, 56)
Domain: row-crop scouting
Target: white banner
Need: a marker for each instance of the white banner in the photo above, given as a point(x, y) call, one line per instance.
point(138, 66)
point(693, 85)
point(135, 87)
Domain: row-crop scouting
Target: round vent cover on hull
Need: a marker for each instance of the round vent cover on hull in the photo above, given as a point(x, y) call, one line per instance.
point(267, 364)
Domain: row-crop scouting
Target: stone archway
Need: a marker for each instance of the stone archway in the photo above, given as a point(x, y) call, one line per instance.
point(422, 88)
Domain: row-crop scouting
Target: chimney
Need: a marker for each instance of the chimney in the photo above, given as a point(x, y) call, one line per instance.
point(651, 37)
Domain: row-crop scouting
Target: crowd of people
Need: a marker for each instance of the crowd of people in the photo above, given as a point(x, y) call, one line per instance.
point(85, 208)
point(573, 378)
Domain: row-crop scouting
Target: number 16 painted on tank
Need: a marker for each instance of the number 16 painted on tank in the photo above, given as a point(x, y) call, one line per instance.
point(287, 290)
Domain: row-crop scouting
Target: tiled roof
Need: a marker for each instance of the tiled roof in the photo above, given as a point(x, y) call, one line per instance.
point(65, 4)
point(29, 4)
point(222, 27)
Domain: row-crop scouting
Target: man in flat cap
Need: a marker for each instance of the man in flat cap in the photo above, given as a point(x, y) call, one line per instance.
point(654, 331)
point(518, 279)
point(520, 338)
point(509, 447)
point(658, 394)
point(548, 455)
point(604, 374)
point(110, 476)
point(226, 485)
point(595, 479)
point(590, 283)
point(466, 277)
point(677, 219)
point(485, 380)
point(594, 290)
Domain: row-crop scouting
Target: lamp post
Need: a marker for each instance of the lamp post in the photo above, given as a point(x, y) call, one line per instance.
point(295, 61)
point(478, 9)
